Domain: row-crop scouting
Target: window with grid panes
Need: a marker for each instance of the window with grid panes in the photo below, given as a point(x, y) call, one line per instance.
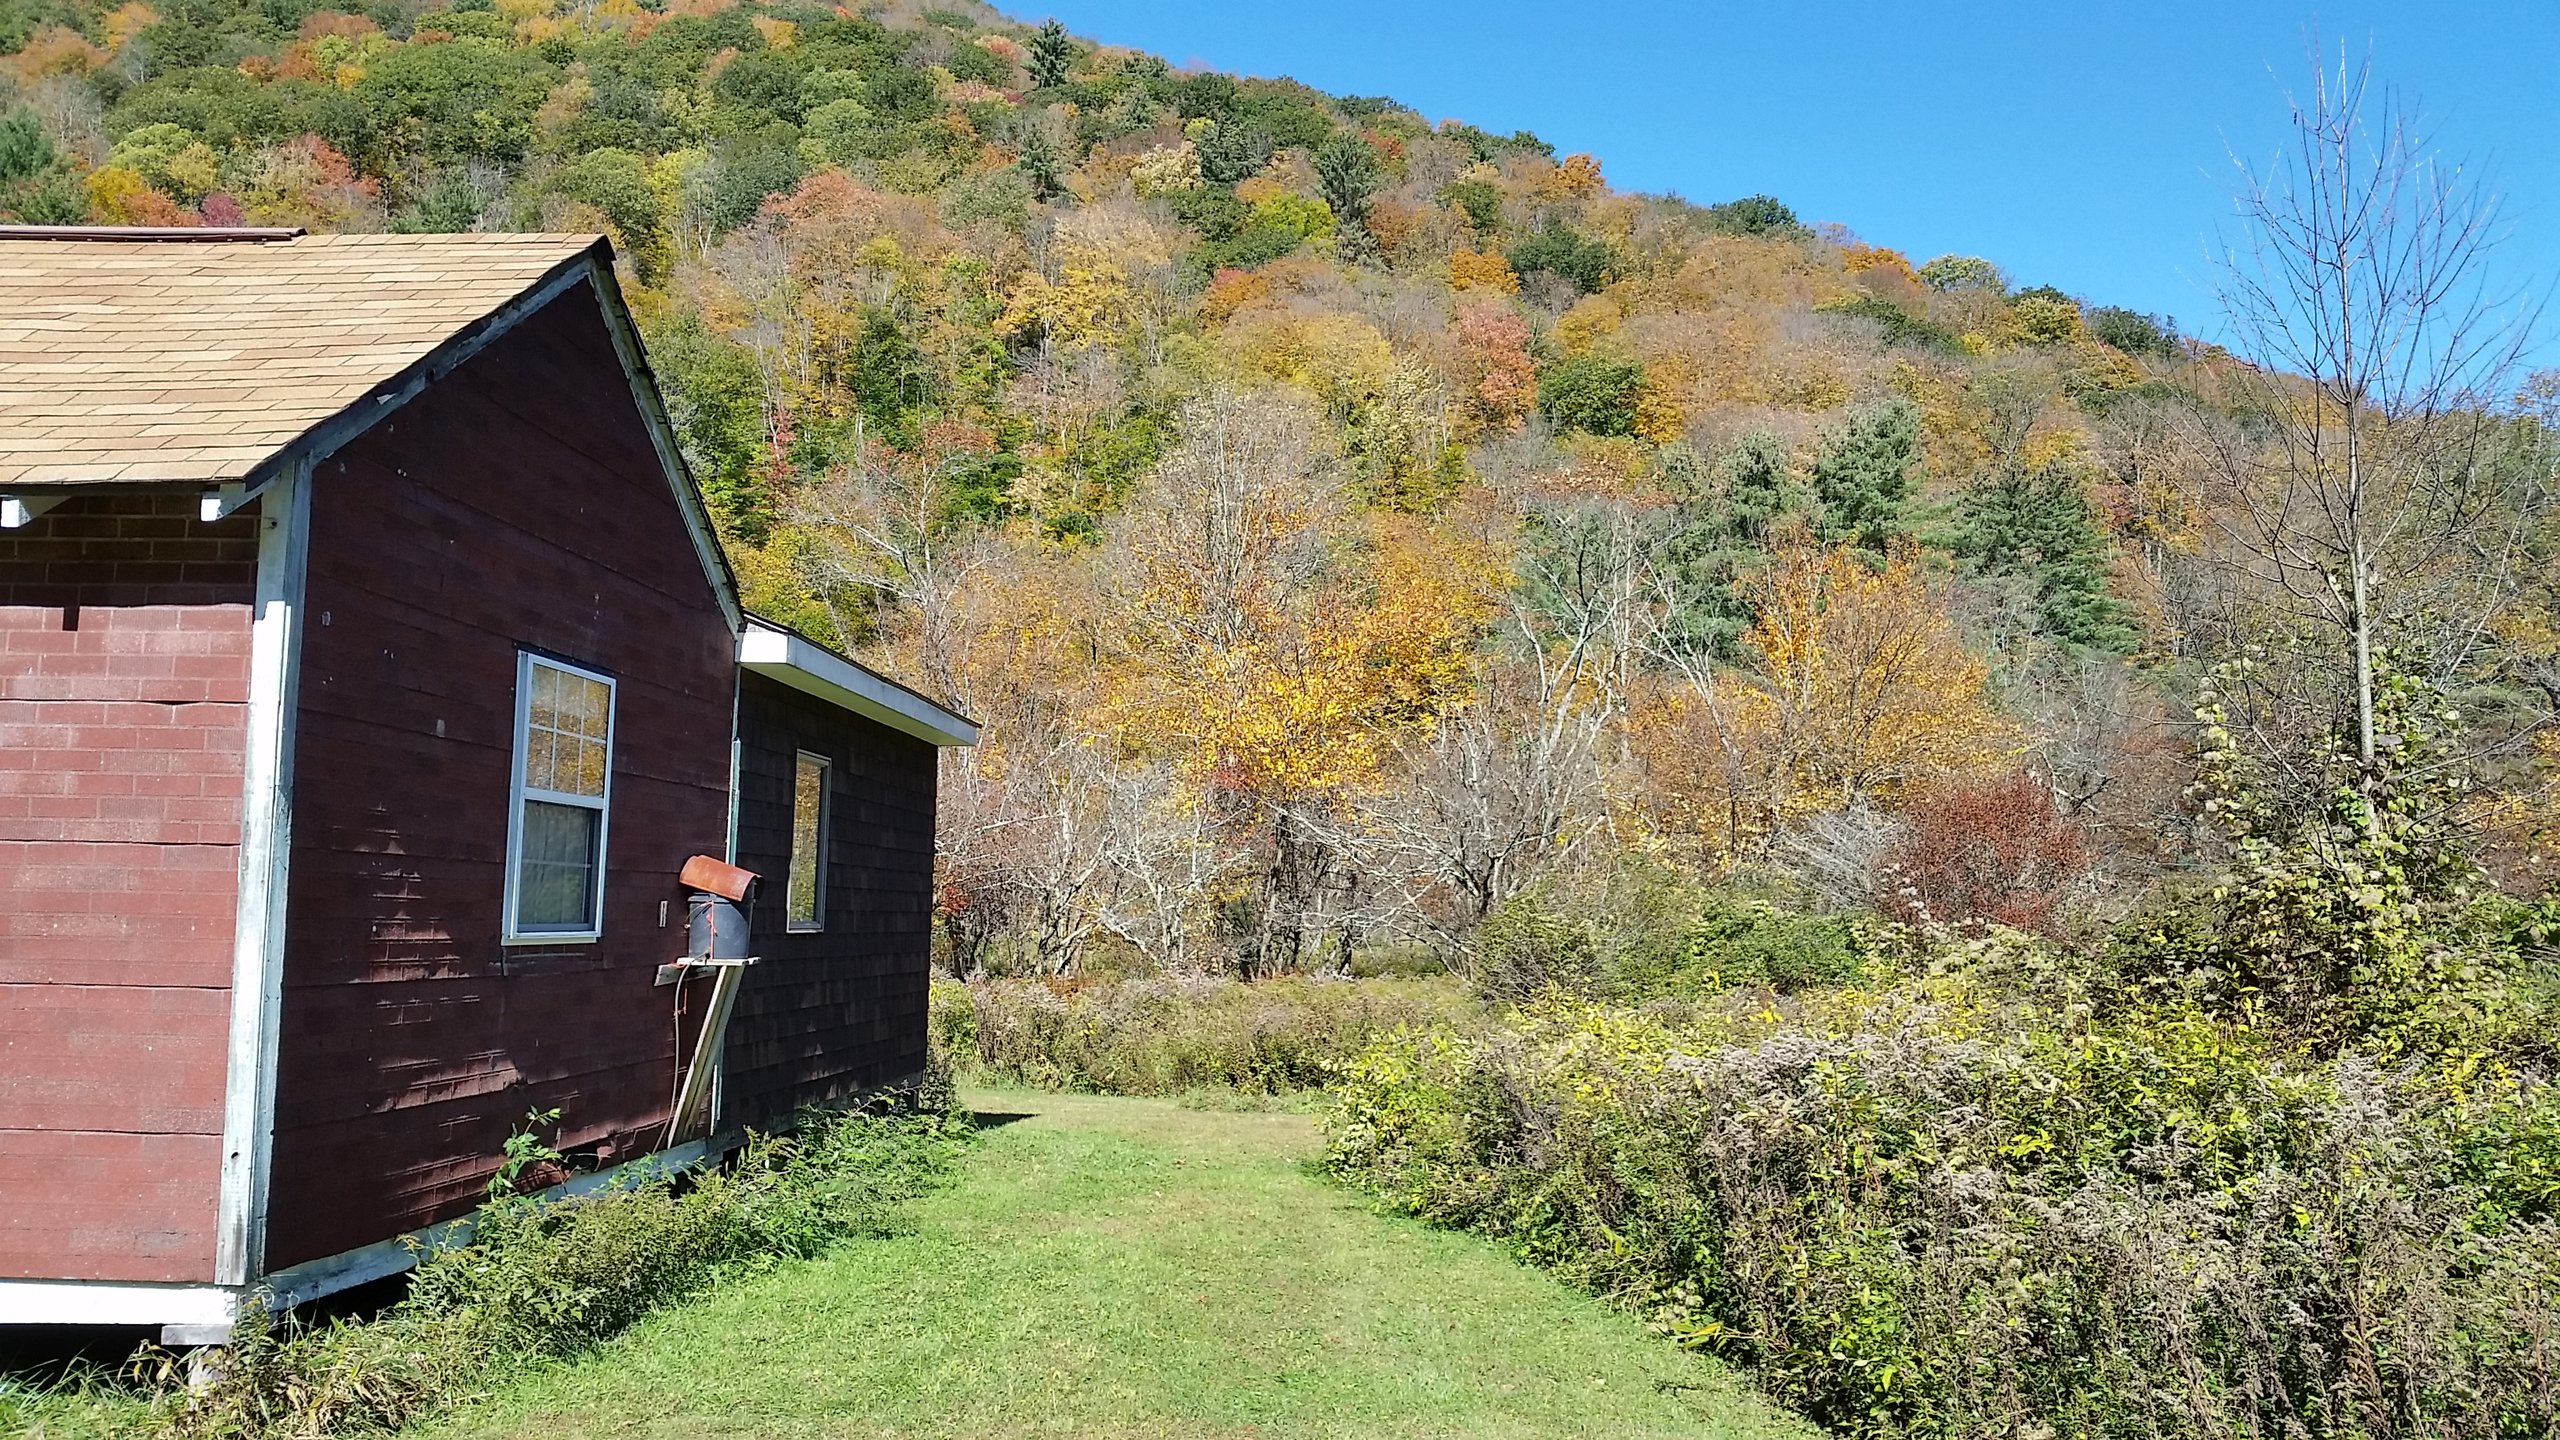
point(563, 791)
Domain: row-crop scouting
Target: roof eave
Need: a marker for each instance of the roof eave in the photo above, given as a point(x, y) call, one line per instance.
point(65, 489)
point(794, 660)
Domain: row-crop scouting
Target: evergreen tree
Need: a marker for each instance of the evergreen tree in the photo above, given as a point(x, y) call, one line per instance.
point(1038, 160)
point(24, 151)
point(1051, 53)
point(36, 186)
point(1720, 527)
point(1756, 488)
point(1862, 475)
point(1230, 152)
point(2040, 528)
point(1347, 175)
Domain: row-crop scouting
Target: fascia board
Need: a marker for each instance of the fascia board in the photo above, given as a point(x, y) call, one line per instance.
point(780, 655)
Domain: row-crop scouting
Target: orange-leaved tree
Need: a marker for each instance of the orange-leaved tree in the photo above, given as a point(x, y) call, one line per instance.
point(1493, 347)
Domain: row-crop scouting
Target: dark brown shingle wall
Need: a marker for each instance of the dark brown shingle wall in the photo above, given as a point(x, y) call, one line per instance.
point(518, 502)
point(828, 1014)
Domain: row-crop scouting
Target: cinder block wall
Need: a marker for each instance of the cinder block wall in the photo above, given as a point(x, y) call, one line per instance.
point(124, 664)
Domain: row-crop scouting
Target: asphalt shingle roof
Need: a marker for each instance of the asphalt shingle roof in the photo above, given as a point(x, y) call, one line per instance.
point(183, 362)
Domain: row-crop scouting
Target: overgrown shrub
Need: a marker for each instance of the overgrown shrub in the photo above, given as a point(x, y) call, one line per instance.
point(1937, 1213)
point(1647, 933)
point(539, 1280)
point(1593, 393)
point(1171, 1036)
point(1991, 851)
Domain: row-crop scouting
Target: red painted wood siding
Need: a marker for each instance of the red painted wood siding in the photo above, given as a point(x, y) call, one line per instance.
point(124, 661)
point(516, 503)
point(827, 1014)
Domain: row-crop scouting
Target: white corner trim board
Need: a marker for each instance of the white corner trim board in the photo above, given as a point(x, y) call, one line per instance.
point(266, 847)
point(776, 653)
point(222, 500)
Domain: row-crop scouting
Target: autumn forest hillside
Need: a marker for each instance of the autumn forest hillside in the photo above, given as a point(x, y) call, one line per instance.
point(1371, 541)
point(1946, 841)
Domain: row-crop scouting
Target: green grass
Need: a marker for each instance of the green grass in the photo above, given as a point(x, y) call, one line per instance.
point(1113, 1267)
point(83, 1405)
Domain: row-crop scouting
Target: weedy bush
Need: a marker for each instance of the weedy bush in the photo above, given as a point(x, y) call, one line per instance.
point(1643, 932)
point(1965, 1207)
point(1993, 850)
point(1178, 1036)
point(541, 1280)
point(2351, 912)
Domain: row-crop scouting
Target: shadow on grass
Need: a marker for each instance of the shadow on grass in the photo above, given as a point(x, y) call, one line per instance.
point(996, 1119)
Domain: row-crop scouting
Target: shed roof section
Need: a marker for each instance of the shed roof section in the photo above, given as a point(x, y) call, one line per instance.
point(784, 654)
point(146, 362)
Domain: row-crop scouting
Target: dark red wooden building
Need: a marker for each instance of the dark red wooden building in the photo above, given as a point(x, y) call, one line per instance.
point(368, 673)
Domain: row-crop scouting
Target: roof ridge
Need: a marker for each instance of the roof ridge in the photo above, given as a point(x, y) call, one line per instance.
point(198, 233)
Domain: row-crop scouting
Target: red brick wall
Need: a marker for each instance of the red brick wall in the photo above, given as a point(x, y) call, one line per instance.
point(124, 646)
point(517, 503)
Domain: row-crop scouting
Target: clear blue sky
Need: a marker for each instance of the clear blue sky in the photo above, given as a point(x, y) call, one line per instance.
point(2081, 145)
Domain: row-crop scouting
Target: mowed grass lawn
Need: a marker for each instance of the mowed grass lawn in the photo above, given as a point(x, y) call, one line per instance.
point(1110, 1267)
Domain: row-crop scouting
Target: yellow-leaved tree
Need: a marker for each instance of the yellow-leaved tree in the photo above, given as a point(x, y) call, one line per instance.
point(1865, 686)
point(1274, 640)
point(1859, 690)
point(1113, 274)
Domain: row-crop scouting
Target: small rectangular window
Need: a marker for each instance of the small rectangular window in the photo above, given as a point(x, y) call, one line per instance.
point(806, 894)
point(563, 790)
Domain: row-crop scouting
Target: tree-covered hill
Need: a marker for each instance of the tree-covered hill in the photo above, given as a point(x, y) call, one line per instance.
point(1355, 528)
point(2007, 854)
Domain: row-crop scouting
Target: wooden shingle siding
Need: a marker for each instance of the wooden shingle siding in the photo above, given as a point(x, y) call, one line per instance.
point(842, 1010)
point(518, 502)
point(124, 652)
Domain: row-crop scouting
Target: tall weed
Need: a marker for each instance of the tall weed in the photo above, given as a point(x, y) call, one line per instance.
point(81, 1402)
point(541, 1280)
point(1938, 1211)
point(1174, 1036)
